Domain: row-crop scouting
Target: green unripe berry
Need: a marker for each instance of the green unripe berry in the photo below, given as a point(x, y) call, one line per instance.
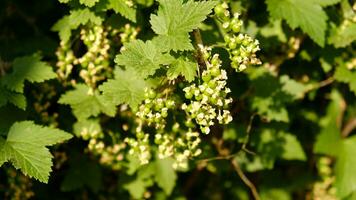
point(151, 94)
point(219, 10)
point(212, 84)
point(158, 141)
point(234, 65)
point(245, 42)
point(213, 100)
point(146, 109)
point(238, 40)
point(199, 97)
point(243, 54)
point(140, 135)
point(235, 52)
point(215, 71)
point(169, 104)
point(157, 120)
point(175, 127)
point(188, 95)
point(164, 114)
point(236, 28)
point(206, 77)
point(227, 38)
point(189, 123)
point(232, 44)
point(215, 61)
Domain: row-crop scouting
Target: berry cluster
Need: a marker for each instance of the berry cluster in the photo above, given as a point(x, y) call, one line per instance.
point(17, 186)
point(65, 58)
point(152, 112)
point(324, 189)
point(140, 146)
point(208, 101)
point(109, 155)
point(42, 103)
point(95, 62)
point(128, 33)
point(242, 48)
point(96, 59)
point(155, 108)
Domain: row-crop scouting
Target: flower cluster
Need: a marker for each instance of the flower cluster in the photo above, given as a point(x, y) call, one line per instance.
point(109, 155)
point(128, 33)
point(242, 48)
point(99, 41)
point(154, 110)
point(175, 141)
point(95, 60)
point(65, 58)
point(140, 146)
point(179, 146)
point(42, 104)
point(17, 186)
point(208, 101)
point(324, 188)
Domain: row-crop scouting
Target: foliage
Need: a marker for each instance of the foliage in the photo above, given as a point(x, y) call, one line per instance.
point(174, 99)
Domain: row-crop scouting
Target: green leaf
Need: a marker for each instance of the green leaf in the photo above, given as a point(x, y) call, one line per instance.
point(29, 68)
point(86, 103)
point(345, 168)
point(72, 21)
point(175, 19)
point(25, 148)
point(7, 96)
point(347, 76)
point(82, 172)
point(292, 87)
point(292, 149)
point(127, 87)
point(306, 14)
point(329, 139)
point(184, 67)
point(343, 35)
point(88, 3)
point(142, 57)
point(275, 194)
point(272, 95)
point(120, 6)
point(326, 2)
point(165, 175)
point(137, 187)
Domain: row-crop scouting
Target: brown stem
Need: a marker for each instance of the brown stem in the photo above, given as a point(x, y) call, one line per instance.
point(244, 178)
point(321, 84)
point(199, 43)
point(349, 127)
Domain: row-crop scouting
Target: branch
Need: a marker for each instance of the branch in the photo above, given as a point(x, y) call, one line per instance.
point(247, 182)
point(349, 127)
point(320, 84)
point(199, 44)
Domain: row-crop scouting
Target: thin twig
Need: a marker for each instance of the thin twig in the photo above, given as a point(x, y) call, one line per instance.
point(228, 157)
point(244, 178)
point(248, 132)
point(320, 84)
point(349, 127)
